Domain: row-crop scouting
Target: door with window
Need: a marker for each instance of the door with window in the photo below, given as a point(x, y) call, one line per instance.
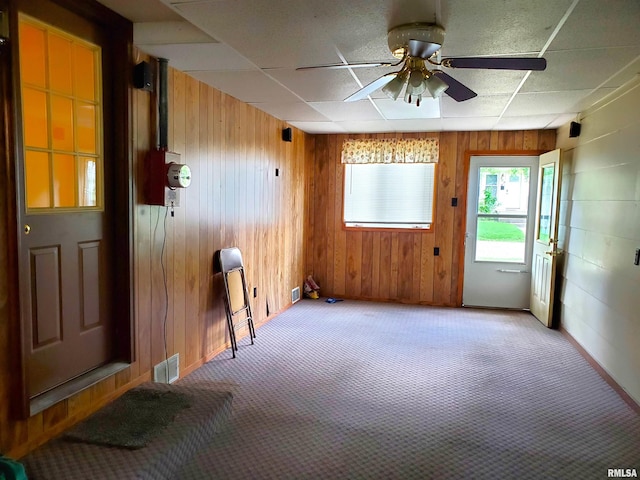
point(545, 249)
point(65, 211)
point(499, 237)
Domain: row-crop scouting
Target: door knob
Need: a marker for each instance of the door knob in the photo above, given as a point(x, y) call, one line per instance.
point(27, 229)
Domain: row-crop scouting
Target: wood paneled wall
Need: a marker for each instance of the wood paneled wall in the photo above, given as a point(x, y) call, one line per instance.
point(235, 199)
point(398, 266)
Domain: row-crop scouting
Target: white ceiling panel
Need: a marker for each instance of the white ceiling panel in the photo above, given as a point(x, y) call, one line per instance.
point(142, 10)
point(319, 127)
point(487, 82)
point(498, 27)
point(521, 123)
point(526, 104)
point(594, 67)
point(485, 106)
point(317, 85)
point(597, 24)
point(346, 111)
point(158, 33)
point(562, 119)
point(469, 124)
point(398, 110)
point(248, 86)
point(292, 111)
point(189, 57)
point(590, 49)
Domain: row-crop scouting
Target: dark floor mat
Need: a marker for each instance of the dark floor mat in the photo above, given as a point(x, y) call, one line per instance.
point(132, 420)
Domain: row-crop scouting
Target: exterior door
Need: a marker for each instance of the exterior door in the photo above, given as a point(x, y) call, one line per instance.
point(499, 236)
point(545, 248)
point(65, 211)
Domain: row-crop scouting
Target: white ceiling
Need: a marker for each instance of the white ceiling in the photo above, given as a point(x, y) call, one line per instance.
point(250, 49)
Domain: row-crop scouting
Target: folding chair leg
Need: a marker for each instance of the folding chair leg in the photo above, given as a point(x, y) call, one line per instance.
point(232, 336)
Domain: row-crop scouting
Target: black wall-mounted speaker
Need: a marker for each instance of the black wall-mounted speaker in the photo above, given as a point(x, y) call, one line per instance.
point(574, 129)
point(287, 135)
point(143, 76)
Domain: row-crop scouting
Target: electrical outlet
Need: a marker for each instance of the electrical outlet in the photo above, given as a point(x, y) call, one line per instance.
point(436, 251)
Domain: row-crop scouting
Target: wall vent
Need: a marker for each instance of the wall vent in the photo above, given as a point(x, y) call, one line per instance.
point(295, 295)
point(167, 371)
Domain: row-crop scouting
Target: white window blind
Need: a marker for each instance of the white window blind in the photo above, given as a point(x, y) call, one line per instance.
point(390, 195)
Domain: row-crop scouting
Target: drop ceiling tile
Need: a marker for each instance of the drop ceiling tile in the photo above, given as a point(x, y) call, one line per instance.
point(469, 124)
point(247, 86)
point(399, 109)
point(488, 82)
point(416, 125)
point(423, 125)
point(482, 106)
point(154, 33)
point(291, 34)
point(291, 111)
point(188, 57)
point(142, 10)
point(579, 69)
point(540, 103)
point(597, 24)
point(561, 120)
point(317, 85)
point(347, 111)
point(318, 127)
point(494, 27)
point(525, 123)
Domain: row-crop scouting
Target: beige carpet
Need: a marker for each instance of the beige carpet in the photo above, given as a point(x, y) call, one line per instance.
point(363, 390)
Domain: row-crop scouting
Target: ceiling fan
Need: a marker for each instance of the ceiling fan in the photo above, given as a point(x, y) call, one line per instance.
point(416, 46)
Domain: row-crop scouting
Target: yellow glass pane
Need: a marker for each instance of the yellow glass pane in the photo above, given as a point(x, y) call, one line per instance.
point(37, 179)
point(32, 54)
point(62, 123)
point(34, 110)
point(87, 182)
point(84, 72)
point(86, 127)
point(60, 62)
point(64, 181)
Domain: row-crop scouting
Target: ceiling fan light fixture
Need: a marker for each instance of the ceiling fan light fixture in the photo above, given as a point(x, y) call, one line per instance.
point(436, 86)
point(393, 89)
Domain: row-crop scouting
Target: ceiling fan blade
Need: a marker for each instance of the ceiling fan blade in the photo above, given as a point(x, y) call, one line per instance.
point(498, 63)
point(349, 65)
point(418, 48)
point(456, 90)
point(372, 87)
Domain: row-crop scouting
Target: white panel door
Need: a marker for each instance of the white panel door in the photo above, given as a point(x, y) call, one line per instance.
point(545, 247)
point(499, 236)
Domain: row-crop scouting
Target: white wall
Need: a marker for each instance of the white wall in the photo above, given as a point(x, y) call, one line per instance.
point(599, 286)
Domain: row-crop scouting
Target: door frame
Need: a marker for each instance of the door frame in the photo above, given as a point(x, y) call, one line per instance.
point(463, 206)
point(121, 34)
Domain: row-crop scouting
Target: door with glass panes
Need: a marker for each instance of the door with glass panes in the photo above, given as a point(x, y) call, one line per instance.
point(64, 210)
point(499, 233)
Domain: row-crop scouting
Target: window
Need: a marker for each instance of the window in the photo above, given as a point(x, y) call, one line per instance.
point(62, 103)
point(384, 190)
point(502, 225)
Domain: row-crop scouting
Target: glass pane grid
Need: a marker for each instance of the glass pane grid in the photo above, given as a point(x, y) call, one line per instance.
point(61, 123)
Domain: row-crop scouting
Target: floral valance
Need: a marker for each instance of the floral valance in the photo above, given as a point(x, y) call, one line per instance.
point(391, 150)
